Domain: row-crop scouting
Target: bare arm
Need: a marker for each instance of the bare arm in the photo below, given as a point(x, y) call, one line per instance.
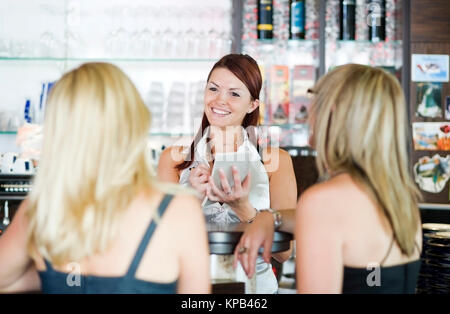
point(283, 194)
point(17, 271)
point(194, 252)
point(198, 176)
point(260, 233)
point(283, 186)
point(169, 158)
point(29, 281)
point(319, 244)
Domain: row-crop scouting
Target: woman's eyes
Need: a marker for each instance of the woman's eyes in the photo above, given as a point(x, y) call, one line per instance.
point(215, 89)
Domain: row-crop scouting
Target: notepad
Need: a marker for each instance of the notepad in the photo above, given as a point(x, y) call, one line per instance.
point(225, 161)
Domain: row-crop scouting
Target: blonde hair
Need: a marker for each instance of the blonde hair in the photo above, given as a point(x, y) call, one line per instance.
point(93, 162)
point(360, 127)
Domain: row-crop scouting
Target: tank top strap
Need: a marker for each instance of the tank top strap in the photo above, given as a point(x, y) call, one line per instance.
point(417, 246)
point(389, 250)
point(48, 265)
point(148, 234)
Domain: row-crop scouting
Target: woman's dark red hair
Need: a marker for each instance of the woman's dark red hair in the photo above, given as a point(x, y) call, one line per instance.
point(247, 71)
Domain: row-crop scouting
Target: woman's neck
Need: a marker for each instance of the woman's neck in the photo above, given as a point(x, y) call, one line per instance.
point(224, 140)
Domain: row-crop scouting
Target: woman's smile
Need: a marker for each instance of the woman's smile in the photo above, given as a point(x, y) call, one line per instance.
point(220, 112)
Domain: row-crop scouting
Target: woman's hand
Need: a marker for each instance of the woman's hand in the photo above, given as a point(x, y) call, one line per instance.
point(236, 197)
point(258, 233)
point(198, 178)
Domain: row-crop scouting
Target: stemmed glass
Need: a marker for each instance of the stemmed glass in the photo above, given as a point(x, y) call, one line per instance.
point(145, 40)
point(155, 103)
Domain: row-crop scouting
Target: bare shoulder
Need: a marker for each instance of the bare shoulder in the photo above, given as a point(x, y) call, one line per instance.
point(185, 219)
point(22, 214)
point(169, 159)
point(330, 198)
point(270, 152)
point(336, 188)
point(186, 207)
point(173, 155)
point(313, 198)
point(275, 158)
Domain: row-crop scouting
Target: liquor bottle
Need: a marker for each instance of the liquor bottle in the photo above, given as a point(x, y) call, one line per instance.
point(265, 19)
point(376, 20)
point(347, 19)
point(297, 19)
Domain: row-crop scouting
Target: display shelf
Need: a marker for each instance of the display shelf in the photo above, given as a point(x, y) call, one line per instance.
point(173, 134)
point(302, 151)
point(383, 53)
point(434, 206)
point(368, 42)
point(285, 125)
point(61, 59)
point(274, 41)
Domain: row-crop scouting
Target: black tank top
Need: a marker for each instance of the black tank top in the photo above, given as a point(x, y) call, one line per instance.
point(397, 279)
point(54, 281)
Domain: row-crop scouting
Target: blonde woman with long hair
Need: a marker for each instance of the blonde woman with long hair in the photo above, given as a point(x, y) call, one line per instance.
point(96, 220)
point(359, 230)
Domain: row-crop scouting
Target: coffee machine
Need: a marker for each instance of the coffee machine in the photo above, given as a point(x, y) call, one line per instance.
point(13, 190)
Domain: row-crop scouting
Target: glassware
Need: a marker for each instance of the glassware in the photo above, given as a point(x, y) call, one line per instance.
point(197, 105)
point(134, 46)
point(4, 48)
point(50, 46)
point(145, 40)
point(156, 45)
point(122, 43)
point(176, 107)
point(18, 48)
point(112, 44)
point(212, 44)
point(155, 103)
point(168, 43)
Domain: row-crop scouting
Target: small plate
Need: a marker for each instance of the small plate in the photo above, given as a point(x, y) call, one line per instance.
point(443, 235)
point(439, 238)
point(438, 257)
point(437, 251)
point(438, 270)
point(445, 248)
point(435, 227)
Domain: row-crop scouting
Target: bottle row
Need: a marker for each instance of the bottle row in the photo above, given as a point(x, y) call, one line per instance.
point(295, 12)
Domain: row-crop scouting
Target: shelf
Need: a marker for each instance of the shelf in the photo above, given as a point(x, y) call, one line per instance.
point(137, 60)
point(434, 206)
point(300, 151)
point(286, 125)
point(12, 197)
point(396, 42)
point(290, 41)
point(174, 134)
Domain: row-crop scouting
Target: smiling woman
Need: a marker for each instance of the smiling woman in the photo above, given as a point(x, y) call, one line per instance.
point(229, 125)
point(227, 99)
